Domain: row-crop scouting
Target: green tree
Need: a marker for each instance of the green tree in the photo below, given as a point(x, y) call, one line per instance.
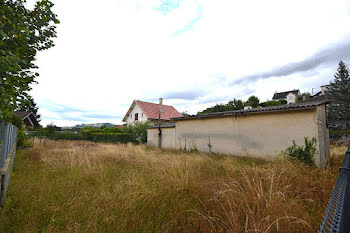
point(235, 104)
point(23, 33)
point(273, 103)
point(50, 129)
point(339, 95)
point(303, 96)
point(252, 101)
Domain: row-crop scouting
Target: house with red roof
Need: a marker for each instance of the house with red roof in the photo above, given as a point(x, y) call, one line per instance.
point(141, 111)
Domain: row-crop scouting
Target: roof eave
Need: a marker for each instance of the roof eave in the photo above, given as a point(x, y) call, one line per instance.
point(129, 110)
point(243, 113)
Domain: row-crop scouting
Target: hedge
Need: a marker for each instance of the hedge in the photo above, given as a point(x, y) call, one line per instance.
point(91, 136)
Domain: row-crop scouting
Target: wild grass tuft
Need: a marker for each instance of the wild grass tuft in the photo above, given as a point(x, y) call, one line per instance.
point(78, 186)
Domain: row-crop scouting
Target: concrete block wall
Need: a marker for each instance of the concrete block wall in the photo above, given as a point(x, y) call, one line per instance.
point(262, 135)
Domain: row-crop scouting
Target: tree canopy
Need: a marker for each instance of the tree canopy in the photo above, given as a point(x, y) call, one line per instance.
point(237, 104)
point(23, 32)
point(232, 105)
point(253, 101)
point(339, 96)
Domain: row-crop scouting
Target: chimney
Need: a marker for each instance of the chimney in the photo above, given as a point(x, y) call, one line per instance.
point(160, 104)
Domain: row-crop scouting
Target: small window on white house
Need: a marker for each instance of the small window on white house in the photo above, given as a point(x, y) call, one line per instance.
point(291, 97)
point(141, 114)
point(131, 116)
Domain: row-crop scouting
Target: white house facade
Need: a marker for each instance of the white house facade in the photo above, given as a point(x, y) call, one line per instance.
point(291, 98)
point(136, 114)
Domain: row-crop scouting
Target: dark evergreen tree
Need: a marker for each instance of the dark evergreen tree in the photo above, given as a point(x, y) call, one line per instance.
point(339, 96)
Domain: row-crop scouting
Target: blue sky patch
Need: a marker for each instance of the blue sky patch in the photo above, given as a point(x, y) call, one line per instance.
point(168, 6)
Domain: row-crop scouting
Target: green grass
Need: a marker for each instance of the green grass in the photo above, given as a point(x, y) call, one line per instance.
point(64, 186)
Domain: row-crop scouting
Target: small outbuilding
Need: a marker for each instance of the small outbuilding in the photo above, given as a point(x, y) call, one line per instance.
point(259, 132)
point(29, 119)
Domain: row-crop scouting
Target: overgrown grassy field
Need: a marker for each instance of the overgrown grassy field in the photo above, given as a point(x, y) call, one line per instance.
point(77, 186)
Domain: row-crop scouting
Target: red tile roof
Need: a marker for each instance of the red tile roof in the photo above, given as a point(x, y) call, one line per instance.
point(152, 110)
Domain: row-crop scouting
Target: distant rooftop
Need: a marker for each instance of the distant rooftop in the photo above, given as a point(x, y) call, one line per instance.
point(283, 95)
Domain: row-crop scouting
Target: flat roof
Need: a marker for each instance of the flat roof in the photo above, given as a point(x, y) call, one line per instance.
point(304, 105)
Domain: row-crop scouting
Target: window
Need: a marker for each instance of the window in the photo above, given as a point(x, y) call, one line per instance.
point(142, 115)
point(131, 116)
point(290, 97)
point(136, 116)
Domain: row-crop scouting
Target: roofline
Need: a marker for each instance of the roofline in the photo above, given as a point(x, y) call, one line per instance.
point(288, 91)
point(162, 126)
point(241, 113)
point(128, 112)
point(27, 115)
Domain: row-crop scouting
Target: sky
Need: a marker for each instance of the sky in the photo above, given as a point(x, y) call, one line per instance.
point(192, 53)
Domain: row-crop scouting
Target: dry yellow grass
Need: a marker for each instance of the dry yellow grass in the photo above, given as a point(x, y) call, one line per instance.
point(76, 186)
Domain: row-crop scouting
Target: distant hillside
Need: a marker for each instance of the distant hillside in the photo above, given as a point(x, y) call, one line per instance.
point(93, 125)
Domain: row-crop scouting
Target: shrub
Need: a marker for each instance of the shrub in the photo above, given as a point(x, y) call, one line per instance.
point(66, 136)
point(273, 103)
point(136, 133)
point(17, 121)
point(87, 135)
point(303, 153)
point(113, 137)
point(138, 130)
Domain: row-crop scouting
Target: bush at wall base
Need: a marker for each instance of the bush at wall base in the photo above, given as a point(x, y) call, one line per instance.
point(303, 153)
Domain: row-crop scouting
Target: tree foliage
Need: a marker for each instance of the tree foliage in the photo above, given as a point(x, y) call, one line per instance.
point(273, 103)
point(303, 96)
point(18, 122)
point(339, 95)
point(139, 129)
point(232, 105)
point(23, 33)
point(237, 104)
point(253, 101)
point(303, 153)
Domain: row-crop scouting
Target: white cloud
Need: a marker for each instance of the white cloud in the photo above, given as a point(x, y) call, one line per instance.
point(109, 53)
